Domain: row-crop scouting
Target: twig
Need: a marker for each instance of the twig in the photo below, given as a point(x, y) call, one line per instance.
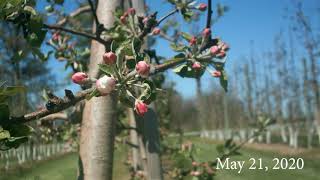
point(94, 12)
point(74, 14)
point(209, 14)
point(166, 16)
point(79, 33)
point(43, 112)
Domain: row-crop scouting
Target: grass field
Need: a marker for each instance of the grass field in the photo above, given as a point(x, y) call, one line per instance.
point(65, 167)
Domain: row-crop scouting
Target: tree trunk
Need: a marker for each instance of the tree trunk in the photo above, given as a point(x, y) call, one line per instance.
point(99, 115)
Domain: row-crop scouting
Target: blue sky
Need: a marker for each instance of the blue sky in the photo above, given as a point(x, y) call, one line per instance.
point(246, 21)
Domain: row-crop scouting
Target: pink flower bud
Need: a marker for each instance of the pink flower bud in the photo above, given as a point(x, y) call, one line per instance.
point(55, 36)
point(143, 69)
point(125, 14)
point(123, 19)
point(140, 107)
point(216, 73)
point(105, 85)
point(131, 11)
point(197, 173)
point(145, 20)
point(193, 41)
point(194, 163)
point(109, 58)
point(80, 78)
point(156, 31)
point(206, 32)
point(221, 54)
point(214, 50)
point(196, 65)
point(202, 7)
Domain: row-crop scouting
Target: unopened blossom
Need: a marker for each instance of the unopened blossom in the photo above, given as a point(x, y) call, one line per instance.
point(193, 41)
point(105, 85)
point(202, 7)
point(196, 65)
point(206, 32)
point(216, 74)
point(80, 78)
point(143, 69)
point(140, 107)
point(109, 58)
point(131, 11)
point(156, 31)
point(123, 19)
point(214, 50)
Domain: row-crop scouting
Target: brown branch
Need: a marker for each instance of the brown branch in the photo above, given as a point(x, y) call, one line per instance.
point(81, 95)
point(209, 14)
point(79, 33)
point(94, 13)
point(74, 14)
point(55, 116)
point(43, 112)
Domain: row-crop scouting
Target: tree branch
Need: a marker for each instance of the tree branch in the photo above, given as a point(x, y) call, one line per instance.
point(73, 14)
point(81, 95)
point(79, 33)
point(166, 16)
point(209, 14)
point(43, 112)
point(94, 12)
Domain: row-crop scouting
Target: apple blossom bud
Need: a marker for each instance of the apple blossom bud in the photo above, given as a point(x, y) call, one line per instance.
point(125, 14)
point(109, 58)
point(131, 11)
point(206, 32)
point(194, 163)
point(56, 36)
point(145, 20)
point(202, 7)
point(80, 78)
point(140, 107)
point(143, 69)
point(196, 65)
point(156, 31)
point(221, 54)
point(193, 41)
point(216, 73)
point(214, 50)
point(123, 19)
point(105, 85)
point(197, 173)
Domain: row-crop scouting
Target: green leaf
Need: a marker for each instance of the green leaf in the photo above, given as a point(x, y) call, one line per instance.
point(187, 71)
point(15, 142)
point(136, 46)
point(36, 33)
point(178, 48)
point(108, 69)
point(4, 113)
point(20, 130)
point(186, 36)
point(4, 134)
point(120, 58)
point(224, 80)
point(11, 90)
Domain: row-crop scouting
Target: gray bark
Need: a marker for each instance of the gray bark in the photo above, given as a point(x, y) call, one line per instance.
point(98, 124)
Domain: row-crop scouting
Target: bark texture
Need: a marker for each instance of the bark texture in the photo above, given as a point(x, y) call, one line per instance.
point(99, 116)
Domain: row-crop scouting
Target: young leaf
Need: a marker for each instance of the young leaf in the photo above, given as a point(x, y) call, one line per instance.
point(224, 80)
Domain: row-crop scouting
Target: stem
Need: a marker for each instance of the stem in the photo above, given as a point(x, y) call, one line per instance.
point(94, 12)
point(83, 34)
point(74, 14)
point(166, 16)
point(209, 14)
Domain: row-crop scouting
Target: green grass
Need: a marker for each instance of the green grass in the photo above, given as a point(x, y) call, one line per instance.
point(65, 167)
point(309, 172)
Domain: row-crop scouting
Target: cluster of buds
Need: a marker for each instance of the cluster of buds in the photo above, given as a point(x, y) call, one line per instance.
point(130, 11)
point(219, 50)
